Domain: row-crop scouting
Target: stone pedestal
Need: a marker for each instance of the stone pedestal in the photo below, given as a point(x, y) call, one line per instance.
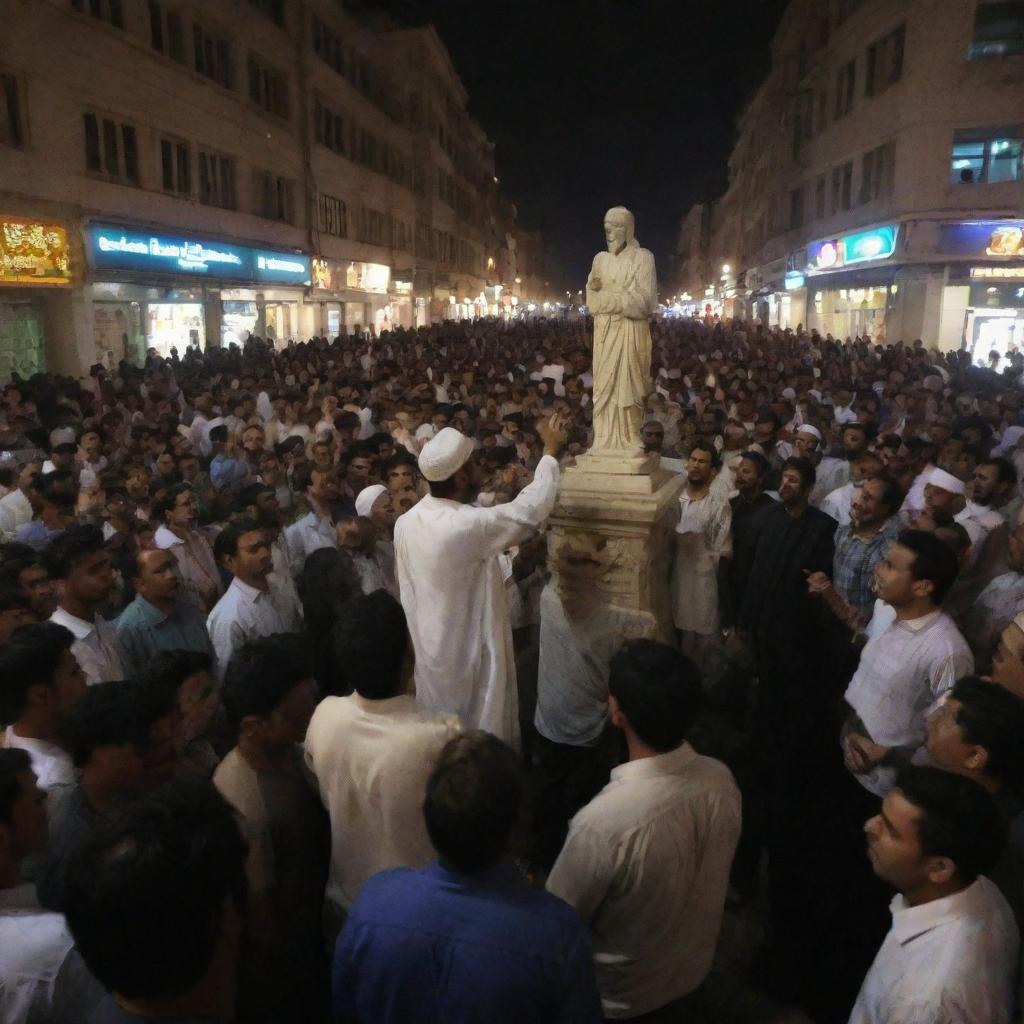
point(610, 550)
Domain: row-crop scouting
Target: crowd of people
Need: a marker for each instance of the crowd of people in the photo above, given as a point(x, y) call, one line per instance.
point(274, 745)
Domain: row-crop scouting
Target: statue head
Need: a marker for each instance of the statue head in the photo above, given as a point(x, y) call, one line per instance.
point(618, 228)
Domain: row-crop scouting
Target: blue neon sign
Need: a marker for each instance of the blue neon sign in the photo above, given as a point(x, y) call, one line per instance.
point(112, 248)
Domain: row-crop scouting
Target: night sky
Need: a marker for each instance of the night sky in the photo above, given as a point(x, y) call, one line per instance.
point(603, 103)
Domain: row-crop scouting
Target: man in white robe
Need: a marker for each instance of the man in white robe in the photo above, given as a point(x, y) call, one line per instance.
point(452, 585)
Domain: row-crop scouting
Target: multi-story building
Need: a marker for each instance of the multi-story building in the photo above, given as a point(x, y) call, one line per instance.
point(876, 185)
point(187, 171)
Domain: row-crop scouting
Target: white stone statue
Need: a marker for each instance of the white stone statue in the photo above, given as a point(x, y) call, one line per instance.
point(622, 293)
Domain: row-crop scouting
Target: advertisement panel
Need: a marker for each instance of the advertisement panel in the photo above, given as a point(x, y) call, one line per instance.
point(993, 238)
point(847, 250)
point(33, 253)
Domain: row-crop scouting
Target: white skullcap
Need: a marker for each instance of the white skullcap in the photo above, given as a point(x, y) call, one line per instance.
point(807, 428)
point(788, 393)
point(444, 454)
point(946, 481)
point(366, 497)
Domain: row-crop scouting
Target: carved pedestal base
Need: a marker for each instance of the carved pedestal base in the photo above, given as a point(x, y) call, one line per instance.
point(610, 553)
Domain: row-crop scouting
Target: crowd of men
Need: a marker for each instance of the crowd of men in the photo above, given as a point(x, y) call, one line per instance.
point(274, 747)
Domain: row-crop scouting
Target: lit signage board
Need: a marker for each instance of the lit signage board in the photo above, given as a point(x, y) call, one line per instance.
point(116, 249)
point(335, 275)
point(1004, 273)
point(33, 253)
point(794, 281)
point(996, 238)
point(860, 247)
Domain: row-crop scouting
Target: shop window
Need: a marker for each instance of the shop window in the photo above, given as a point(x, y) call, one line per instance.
point(273, 9)
point(842, 187)
point(328, 128)
point(176, 167)
point(212, 55)
point(166, 31)
point(885, 62)
point(998, 30)
point(268, 88)
point(332, 215)
point(111, 149)
point(846, 85)
point(12, 132)
point(110, 11)
point(987, 158)
point(274, 197)
point(217, 181)
point(878, 168)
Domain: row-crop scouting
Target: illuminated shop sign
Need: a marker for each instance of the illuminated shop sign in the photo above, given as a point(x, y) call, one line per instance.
point(337, 275)
point(847, 250)
point(996, 238)
point(1003, 273)
point(794, 280)
point(116, 249)
point(33, 253)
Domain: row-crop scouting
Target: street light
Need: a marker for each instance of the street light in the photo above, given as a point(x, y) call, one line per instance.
point(726, 269)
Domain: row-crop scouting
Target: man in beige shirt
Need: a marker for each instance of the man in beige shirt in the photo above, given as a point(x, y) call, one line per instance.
point(647, 861)
point(373, 751)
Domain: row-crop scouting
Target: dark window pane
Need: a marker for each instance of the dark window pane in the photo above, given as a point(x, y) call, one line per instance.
point(156, 26)
point(131, 155)
point(116, 14)
point(998, 30)
point(111, 164)
point(167, 165)
point(92, 143)
point(175, 37)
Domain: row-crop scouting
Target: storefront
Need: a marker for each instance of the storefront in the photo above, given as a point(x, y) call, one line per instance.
point(35, 265)
point(163, 291)
point(350, 294)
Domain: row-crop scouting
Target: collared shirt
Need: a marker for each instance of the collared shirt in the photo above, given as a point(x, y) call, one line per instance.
point(145, 631)
point(992, 611)
point(902, 673)
point(73, 822)
point(950, 961)
point(646, 864)
point(96, 646)
point(36, 534)
point(308, 534)
point(196, 565)
point(702, 537)
point(371, 759)
point(854, 564)
point(433, 946)
point(42, 976)
point(55, 772)
point(15, 511)
point(227, 471)
point(245, 613)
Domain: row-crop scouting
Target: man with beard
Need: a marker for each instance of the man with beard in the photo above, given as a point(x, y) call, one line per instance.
point(179, 508)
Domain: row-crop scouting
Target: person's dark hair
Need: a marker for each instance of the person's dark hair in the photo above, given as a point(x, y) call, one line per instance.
point(168, 499)
point(992, 717)
point(262, 673)
point(146, 894)
point(218, 434)
point(302, 476)
point(13, 762)
point(226, 543)
point(13, 566)
point(327, 582)
point(934, 560)
point(402, 457)
point(30, 656)
point(958, 819)
point(347, 420)
point(249, 495)
point(370, 641)
point(768, 416)
point(893, 495)
point(803, 466)
point(762, 464)
point(1004, 467)
point(955, 537)
point(109, 714)
point(658, 690)
point(165, 672)
point(862, 427)
point(716, 459)
point(59, 488)
point(67, 549)
point(443, 488)
point(473, 801)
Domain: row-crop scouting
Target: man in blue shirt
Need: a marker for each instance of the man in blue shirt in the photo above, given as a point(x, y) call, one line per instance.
point(466, 939)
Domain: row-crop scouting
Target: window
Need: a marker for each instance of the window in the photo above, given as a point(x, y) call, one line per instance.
point(796, 208)
point(846, 84)
point(998, 30)
point(819, 197)
point(176, 167)
point(11, 131)
point(212, 56)
point(166, 32)
point(987, 156)
point(111, 150)
point(274, 197)
point(328, 128)
point(110, 11)
point(217, 180)
point(842, 187)
point(268, 88)
point(273, 9)
point(332, 215)
point(327, 46)
point(885, 62)
point(877, 171)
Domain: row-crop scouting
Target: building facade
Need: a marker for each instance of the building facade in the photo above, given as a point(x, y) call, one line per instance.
point(178, 172)
point(876, 185)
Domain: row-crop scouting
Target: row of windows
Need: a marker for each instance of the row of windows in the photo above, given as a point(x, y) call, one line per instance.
point(883, 68)
point(987, 157)
point(329, 130)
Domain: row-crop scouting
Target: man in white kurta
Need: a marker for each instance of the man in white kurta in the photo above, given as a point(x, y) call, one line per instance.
point(452, 585)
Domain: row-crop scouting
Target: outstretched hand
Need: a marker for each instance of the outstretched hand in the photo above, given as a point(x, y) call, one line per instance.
point(553, 432)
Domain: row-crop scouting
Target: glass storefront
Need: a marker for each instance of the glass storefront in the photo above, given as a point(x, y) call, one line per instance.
point(177, 325)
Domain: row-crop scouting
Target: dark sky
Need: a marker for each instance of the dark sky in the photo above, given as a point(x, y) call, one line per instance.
point(606, 102)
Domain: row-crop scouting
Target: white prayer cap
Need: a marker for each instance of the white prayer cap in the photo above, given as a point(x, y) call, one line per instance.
point(807, 428)
point(788, 393)
point(366, 497)
point(945, 481)
point(444, 454)
point(815, 394)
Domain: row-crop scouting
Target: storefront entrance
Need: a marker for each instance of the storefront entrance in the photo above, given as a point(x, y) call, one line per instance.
point(21, 339)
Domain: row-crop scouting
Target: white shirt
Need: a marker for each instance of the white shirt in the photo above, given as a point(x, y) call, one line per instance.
point(196, 565)
point(55, 772)
point(371, 759)
point(903, 671)
point(245, 613)
point(96, 646)
point(454, 597)
point(646, 863)
point(308, 534)
point(15, 511)
point(838, 503)
point(951, 961)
